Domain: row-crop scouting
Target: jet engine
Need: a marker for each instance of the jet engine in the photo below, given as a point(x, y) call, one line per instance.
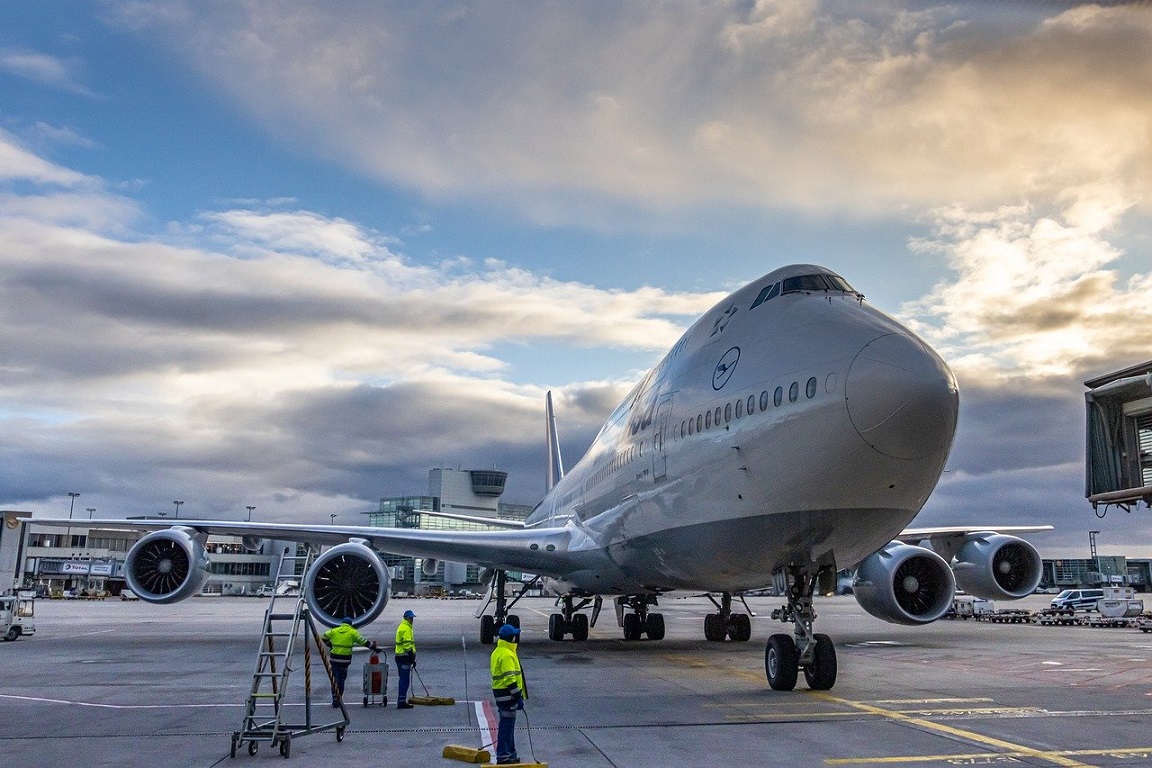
point(997, 567)
point(349, 580)
point(167, 566)
point(904, 584)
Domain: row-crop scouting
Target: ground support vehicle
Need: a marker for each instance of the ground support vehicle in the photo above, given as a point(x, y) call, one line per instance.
point(17, 617)
point(1007, 617)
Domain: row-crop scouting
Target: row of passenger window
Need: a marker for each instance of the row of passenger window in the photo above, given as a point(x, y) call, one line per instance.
point(723, 414)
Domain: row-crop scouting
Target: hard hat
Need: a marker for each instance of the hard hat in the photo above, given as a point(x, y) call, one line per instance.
point(507, 632)
point(409, 615)
point(347, 620)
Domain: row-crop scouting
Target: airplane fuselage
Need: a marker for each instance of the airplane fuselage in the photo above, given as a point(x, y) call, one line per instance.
point(792, 424)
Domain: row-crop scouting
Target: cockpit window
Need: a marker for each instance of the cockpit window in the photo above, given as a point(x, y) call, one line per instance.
point(803, 283)
point(769, 292)
point(815, 283)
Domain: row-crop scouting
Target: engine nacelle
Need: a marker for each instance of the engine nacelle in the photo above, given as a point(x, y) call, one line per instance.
point(349, 580)
point(996, 566)
point(904, 584)
point(167, 566)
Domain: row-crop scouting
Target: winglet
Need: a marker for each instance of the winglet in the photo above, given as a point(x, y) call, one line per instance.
point(555, 462)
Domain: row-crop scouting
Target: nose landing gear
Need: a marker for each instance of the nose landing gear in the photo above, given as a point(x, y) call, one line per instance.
point(785, 656)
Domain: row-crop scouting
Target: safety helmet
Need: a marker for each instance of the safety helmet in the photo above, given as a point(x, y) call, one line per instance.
point(409, 615)
point(507, 632)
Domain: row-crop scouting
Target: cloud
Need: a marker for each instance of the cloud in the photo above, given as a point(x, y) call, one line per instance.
point(43, 69)
point(18, 163)
point(277, 357)
point(783, 104)
point(1034, 295)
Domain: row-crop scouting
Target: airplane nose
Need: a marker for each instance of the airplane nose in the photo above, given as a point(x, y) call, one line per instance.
point(902, 398)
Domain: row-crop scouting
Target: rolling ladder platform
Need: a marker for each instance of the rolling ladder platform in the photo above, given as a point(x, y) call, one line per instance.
point(287, 619)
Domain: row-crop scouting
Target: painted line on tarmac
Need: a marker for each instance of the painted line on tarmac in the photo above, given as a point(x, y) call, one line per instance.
point(42, 700)
point(1006, 747)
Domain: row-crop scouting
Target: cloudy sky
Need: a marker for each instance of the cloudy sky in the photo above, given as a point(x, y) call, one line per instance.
point(295, 254)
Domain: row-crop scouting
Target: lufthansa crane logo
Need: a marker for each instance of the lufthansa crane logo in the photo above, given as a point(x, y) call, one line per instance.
point(725, 367)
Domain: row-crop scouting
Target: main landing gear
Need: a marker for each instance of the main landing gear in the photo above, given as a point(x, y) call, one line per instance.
point(725, 624)
point(633, 615)
point(490, 624)
point(785, 656)
point(571, 621)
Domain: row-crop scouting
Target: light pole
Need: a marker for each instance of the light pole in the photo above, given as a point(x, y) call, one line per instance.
point(333, 518)
point(177, 503)
point(250, 508)
point(91, 511)
point(71, 506)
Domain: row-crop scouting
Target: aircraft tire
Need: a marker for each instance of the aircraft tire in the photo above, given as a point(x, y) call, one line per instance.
point(821, 674)
point(556, 628)
point(740, 628)
point(579, 627)
point(632, 626)
point(714, 629)
point(512, 619)
point(487, 629)
point(781, 662)
point(654, 626)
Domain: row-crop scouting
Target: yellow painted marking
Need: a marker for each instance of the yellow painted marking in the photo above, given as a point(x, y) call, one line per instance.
point(1123, 753)
point(943, 700)
point(1007, 747)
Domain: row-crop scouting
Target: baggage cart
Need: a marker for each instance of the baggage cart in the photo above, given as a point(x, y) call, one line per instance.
point(375, 682)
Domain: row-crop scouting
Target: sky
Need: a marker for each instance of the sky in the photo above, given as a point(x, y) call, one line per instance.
point(293, 255)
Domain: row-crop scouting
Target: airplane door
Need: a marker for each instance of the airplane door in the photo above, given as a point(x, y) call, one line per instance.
point(659, 436)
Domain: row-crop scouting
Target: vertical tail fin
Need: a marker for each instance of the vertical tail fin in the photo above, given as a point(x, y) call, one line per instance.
point(555, 462)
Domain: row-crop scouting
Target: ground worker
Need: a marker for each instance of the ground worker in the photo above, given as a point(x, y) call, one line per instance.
point(508, 688)
point(340, 641)
point(405, 658)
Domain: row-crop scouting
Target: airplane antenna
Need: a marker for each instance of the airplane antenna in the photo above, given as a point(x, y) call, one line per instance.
point(555, 461)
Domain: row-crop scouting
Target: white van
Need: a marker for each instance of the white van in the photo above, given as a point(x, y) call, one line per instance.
point(1078, 599)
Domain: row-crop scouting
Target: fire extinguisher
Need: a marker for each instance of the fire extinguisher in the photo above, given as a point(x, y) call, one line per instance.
point(377, 682)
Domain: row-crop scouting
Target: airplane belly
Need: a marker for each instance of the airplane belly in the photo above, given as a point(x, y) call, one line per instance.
point(741, 553)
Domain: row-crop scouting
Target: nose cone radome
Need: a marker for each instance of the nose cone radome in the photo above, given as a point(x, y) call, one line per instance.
point(902, 398)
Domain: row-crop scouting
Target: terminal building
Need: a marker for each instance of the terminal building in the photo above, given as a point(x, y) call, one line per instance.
point(470, 493)
point(88, 559)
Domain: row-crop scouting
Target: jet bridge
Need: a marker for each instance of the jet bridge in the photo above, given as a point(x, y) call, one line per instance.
point(1118, 466)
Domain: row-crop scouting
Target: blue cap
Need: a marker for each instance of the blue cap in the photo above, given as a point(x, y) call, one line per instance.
point(409, 615)
point(347, 620)
point(507, 632)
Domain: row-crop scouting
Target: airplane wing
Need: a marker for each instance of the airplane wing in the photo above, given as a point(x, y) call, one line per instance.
point(541, 550)
point(947, 540)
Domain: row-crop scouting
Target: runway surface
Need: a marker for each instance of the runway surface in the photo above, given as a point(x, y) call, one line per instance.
point(130, 684)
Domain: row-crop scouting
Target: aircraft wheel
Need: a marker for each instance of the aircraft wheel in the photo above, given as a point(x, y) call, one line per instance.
point(632, 626)
point(512, 619)
point(579, 627)
point(487, 630)
point(654, 626)
point(821, 674)
point(714, 629)
point(740, 627)
point(780, 662)
point(556, 628)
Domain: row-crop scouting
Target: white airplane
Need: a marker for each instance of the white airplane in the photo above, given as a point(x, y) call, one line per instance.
point(792, 431)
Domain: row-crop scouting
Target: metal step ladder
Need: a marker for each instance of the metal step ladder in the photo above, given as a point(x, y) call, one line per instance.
point(265, 715)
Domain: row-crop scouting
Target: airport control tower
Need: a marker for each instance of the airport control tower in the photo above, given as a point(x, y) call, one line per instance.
point(1118, 467)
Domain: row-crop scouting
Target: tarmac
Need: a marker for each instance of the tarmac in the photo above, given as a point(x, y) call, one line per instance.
point(130, 684)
